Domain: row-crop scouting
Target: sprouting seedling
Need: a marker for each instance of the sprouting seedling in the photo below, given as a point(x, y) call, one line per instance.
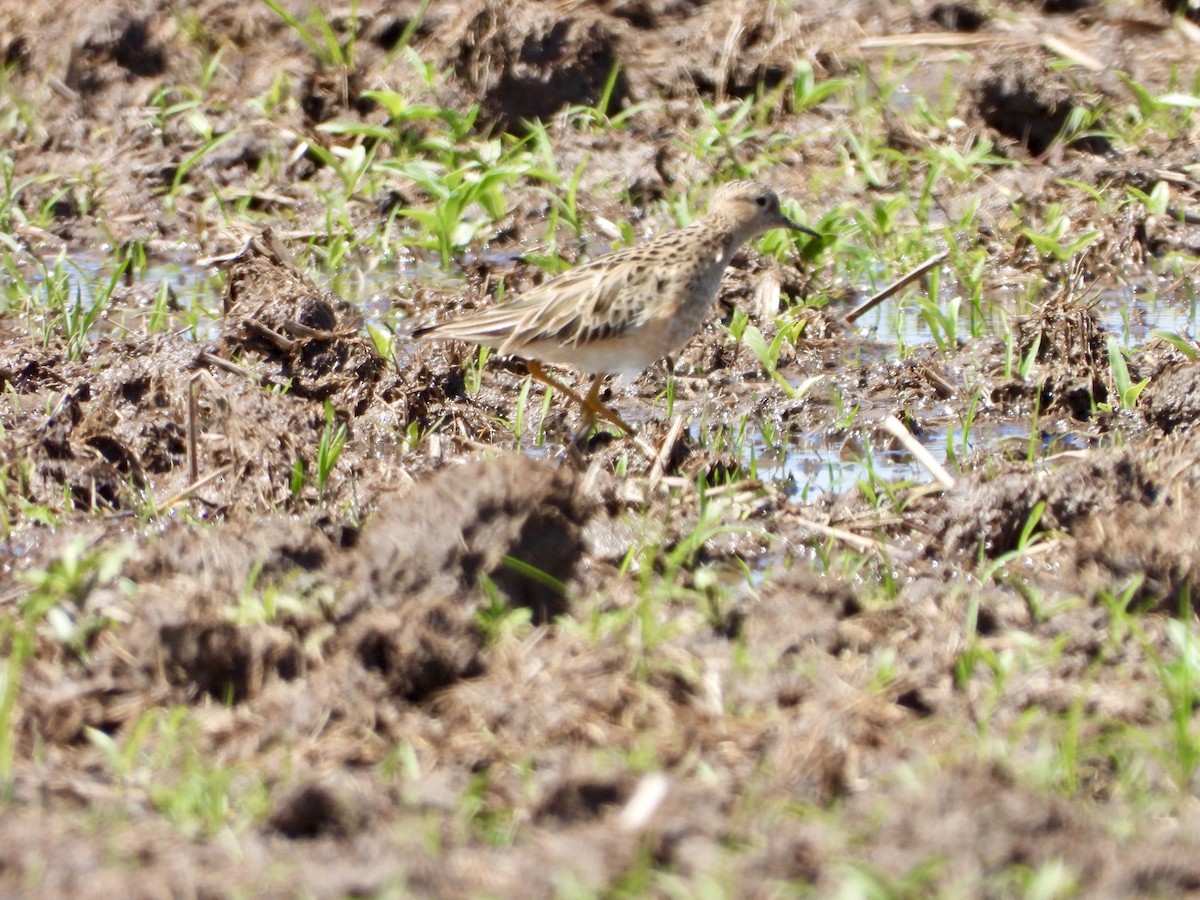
point(1028, 537)
point(600, 115)
point(768, 355)
point(1150, 106)
point(1022, 367)
point(969, 422)
point(516, 425)
point(320, 37)
point(329, 449)
point(383, 340)
point(942, 321)
point(350, 164)
point(566, 208)
point(1127, 390)
point(807, 92)
point(725, 131)
point(1054, 239)
point(69, 309)
point(1156, 201)
point(1179, 678)
point(1030, 357)
point(459, 195)
point(160, 309)
point(1179, 342)
point(297, 479)
point(210, 143)
point(473, 372)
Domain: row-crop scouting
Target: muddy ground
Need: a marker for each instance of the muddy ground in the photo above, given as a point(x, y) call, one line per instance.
point(240, 688)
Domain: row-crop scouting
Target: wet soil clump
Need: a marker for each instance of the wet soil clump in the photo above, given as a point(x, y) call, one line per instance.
point(293, 606)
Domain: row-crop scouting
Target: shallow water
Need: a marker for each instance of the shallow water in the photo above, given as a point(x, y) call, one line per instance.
point(193, 304)
point(819, 462)
point(1133, 311)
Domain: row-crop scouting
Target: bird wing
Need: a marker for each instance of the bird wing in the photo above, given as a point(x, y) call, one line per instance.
point(592, 302)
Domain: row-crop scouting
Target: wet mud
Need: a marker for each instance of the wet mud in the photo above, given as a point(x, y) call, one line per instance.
point(434, 672)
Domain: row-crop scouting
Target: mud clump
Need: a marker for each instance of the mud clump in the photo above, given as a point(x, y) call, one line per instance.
point(1153, 550)
point(957, 17)
point(582, 799)
point(241, 667)
point(1071, 353)
point(955, 830)
point(988, 514)
point(275, 313)
point(126, 48)
point(801, 610)
point(527, 62)
point(1029, 105)
point(227, 663)
point(1173, 399)
point(426, 645)
point(311, 811)
point(111, 433)
point(515, 522)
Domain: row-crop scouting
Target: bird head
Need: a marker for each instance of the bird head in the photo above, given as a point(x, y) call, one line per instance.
point(753, 207)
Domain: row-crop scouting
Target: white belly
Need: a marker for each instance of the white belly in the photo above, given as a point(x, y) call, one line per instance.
point(628, 355)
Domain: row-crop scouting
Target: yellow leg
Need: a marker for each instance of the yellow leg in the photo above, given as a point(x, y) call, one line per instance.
point(593, 403)
point(590, 404)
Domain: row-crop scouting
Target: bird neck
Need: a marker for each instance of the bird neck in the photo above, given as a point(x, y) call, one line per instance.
point(723, 232)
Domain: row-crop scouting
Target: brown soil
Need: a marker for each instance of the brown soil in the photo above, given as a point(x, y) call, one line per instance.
point(430, 711)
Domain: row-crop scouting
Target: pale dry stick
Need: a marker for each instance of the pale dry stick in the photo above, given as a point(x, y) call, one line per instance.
point(916, 492)
point(193, 457)
point(647, 797)
point(271, 336)
point(205, 261)
point(263, 197)
point(63, 90)
point(300, 330)
point(857, 541)
point(299, 234)
point(192, 462)
point(221, 363)
point(940, 384)
point(738, 487)
point(1071, 53)
point(642, 447)
point(664, 452)
point(896, 429)
point(1055, 44)
point(1068, 454)
point(195, 486)
point(1050, 543)
point(1179, 178)
point(895, 286)
point(931, 39)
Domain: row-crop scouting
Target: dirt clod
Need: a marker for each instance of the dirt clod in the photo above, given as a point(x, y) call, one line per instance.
point(311, 811)
point(513, 521)
point(1030, 106)
point(293, 605)
point(527, 62)
point(988, 513)
point(1174, 399)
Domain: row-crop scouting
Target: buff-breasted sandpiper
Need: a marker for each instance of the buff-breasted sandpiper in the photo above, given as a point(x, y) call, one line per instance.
point(621, 312)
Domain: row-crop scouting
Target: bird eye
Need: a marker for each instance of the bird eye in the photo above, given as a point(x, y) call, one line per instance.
point(761, 201)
